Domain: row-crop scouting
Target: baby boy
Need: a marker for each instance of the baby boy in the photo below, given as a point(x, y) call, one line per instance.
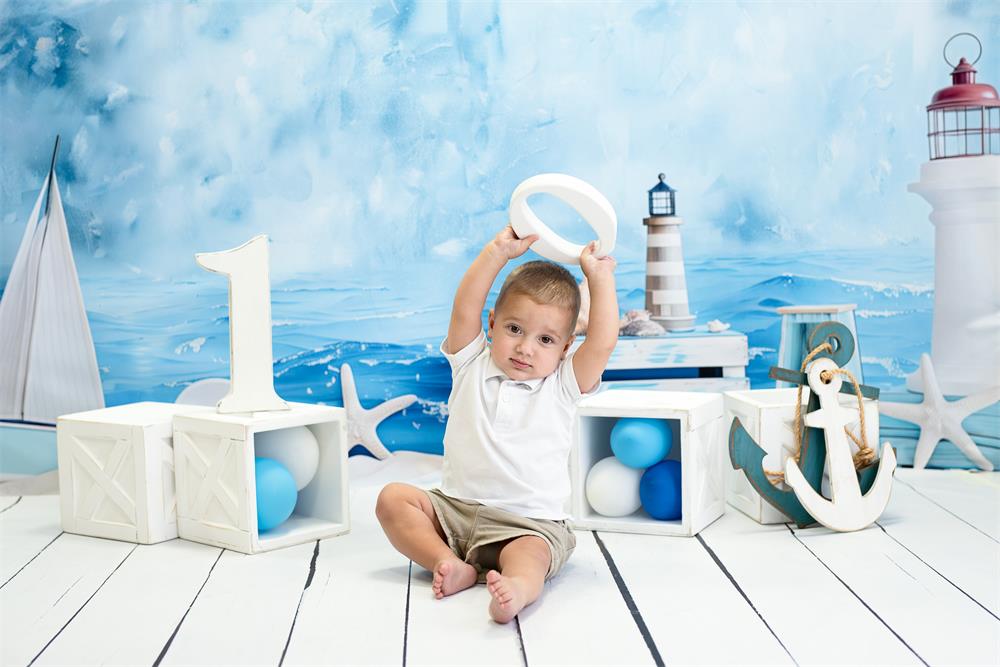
point(500, 514)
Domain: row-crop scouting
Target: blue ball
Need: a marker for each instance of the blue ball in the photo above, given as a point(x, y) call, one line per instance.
point(660, 491)
point(641, 442)
point(276, 493)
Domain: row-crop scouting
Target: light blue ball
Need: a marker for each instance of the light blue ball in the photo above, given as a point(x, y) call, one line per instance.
point(276, 493)
point(640, 442)
point(660, 491)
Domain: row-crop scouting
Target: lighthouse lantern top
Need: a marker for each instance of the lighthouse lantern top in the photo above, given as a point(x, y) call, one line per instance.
point(963, 120)
point(661, 199)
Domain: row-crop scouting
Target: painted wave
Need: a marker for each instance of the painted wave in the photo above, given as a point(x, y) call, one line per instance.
point(153, 339)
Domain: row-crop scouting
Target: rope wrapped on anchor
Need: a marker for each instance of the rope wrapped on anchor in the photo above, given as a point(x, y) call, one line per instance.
point(865, 455)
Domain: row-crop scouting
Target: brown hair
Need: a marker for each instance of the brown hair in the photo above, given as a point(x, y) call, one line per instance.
point(544, 283)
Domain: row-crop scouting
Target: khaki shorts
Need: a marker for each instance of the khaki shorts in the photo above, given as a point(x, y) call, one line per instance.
point(476, 533)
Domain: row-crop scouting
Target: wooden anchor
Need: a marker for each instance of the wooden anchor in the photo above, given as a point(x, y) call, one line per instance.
point(848, 509)
point(746, 455)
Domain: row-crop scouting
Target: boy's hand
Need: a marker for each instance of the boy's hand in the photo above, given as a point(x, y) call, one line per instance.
point(507, 245)
point(596, 267)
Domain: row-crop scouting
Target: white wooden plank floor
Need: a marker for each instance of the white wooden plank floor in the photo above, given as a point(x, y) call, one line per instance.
point(920, 587)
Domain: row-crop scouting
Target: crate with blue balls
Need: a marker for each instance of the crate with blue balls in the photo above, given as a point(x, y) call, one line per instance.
point(648, 462)
point(262, 481)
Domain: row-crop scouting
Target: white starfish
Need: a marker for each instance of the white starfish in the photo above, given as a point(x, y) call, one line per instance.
point(940, 419)
point(361, 423)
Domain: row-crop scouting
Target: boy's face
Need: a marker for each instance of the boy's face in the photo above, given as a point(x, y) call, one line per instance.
point(529, 338)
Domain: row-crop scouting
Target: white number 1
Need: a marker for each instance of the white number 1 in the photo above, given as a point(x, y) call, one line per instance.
point(251, 386)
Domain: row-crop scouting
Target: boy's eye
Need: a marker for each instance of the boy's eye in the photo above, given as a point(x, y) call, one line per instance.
point(513, 328)
point(547, 340)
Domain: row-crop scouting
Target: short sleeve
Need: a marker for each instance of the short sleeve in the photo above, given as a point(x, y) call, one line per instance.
point(567, 380)
point(459, 360)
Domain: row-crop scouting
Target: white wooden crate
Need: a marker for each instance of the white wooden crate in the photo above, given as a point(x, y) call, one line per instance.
point(768, 415)
point(116, 471)
point(708, 384)
point(695, 420)
point(678, 361)
point(216, 499)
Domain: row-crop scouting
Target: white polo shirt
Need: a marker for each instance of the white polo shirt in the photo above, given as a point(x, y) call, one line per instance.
point(507, 442)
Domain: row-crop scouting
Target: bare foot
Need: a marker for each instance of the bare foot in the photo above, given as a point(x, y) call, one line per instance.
point(508, 596)
point(452, 576)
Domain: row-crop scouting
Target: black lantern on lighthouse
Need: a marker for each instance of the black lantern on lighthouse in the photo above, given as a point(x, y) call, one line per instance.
point(963, 119)
point(661, 199)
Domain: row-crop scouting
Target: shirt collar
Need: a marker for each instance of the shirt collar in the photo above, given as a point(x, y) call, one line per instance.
point(492, 371)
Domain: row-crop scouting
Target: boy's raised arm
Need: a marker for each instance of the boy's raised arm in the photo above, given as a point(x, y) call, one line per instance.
point(467, 311)
point(602, 330)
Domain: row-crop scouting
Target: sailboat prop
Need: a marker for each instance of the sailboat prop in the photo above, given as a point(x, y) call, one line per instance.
point(48, 366)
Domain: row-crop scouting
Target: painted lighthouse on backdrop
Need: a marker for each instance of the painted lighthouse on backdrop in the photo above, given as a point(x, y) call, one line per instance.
point(666, 289)
point(961, 181)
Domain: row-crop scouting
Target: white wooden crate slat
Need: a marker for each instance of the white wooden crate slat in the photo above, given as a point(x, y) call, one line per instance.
point(25, 529)
point(941, 624)
point(581, 617)
point(709, 384)
point(360, 582)
point(789, 587)
point(678, 350)
point(967, 557)
point(36, 603)
point(471, 636)
point(973, 496)
point(133, 615)
point(244, 613)
point(693, 612)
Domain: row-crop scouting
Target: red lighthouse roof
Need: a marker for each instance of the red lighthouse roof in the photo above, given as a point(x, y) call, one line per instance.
point(964, 91)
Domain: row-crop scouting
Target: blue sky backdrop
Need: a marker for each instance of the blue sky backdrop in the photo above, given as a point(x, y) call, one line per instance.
point(378, 143)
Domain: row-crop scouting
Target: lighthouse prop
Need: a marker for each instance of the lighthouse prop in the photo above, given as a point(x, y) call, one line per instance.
point(666, 290)
point(961, 182)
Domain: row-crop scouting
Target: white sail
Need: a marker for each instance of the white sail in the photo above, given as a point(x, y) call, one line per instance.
point(47, 362)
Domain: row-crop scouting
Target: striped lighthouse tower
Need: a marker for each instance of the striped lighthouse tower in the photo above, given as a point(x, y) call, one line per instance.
point(666, 289)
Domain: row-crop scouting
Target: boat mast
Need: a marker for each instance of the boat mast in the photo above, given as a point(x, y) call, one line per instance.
point(52, 171)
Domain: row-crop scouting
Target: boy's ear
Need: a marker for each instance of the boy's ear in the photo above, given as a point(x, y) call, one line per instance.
point(569, 342)
point(492, 320)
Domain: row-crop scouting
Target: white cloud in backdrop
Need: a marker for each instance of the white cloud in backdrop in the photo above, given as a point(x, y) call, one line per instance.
point(367, 135)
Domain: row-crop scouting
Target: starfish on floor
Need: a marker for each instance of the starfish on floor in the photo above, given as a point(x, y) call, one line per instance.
point(941, 419)
point(361, 423)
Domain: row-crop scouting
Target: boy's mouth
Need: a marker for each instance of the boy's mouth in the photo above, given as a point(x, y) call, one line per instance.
point(519, 365)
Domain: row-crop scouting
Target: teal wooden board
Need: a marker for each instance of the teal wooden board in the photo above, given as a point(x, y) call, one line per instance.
point(946, 455)
point(26, 451)
point(890, 432)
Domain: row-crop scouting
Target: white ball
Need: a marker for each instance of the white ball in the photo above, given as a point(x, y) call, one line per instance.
point(613, 487)
point(295, 448)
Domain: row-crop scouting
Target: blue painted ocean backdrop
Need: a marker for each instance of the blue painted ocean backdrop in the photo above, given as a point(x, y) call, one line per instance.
point(389, 325)
point(377, 144)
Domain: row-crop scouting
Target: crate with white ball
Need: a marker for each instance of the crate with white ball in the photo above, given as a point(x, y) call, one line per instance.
point(648, 462)
point(259, 481)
